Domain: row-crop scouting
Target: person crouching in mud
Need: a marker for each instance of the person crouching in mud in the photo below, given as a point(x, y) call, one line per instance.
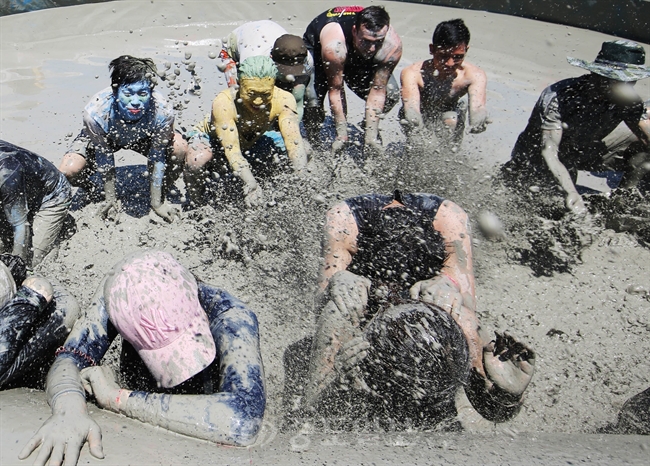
point(571, 126)
point(130, 114)
point(233, 134)
point(200, 345)
point(36, 316)
point(432, 89)
point(399, 324)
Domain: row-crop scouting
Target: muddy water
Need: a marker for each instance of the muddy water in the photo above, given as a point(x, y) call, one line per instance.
point(590, 335)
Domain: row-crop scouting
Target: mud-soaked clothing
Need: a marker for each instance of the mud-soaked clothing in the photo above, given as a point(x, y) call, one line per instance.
point(358, 71)
point(227, 316)
point(30, 184)
point(585, 118)
point(31, 329)
point(105, 132)
point(634, 417)
point(382, 254)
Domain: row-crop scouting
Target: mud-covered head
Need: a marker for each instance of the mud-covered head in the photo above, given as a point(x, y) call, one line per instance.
point(449, 45)
point(128, 70)
point(417, 352)
point(152, 300)
point(257, 82)
point(133, 80)
point(369, 30)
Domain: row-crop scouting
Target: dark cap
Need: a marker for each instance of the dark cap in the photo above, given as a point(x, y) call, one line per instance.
point(621, 60)
point(290, 54)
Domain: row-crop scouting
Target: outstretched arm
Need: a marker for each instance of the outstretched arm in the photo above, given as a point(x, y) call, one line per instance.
point(290, 130)
point(339, 242)
point(477, 94)
point(411, 80)
point(70, 426)
point(551, 139)
point(334, 53)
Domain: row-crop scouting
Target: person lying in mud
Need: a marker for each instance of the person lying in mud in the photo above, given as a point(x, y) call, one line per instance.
point(190, 353)
point(36, 316)
point(432, 89)
point(130, 114)
point(399, 323)
point(570, 123)
point(35, 199)
point(267, 38)
point(233, 134)
point(356, 46)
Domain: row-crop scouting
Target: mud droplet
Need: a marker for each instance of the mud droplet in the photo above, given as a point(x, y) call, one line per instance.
point(534, 189)
point(636, 289)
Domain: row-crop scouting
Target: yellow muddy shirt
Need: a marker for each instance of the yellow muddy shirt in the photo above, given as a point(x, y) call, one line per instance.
point(228, 129)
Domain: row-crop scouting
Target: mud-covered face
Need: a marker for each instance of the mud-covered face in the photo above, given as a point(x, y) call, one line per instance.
point(366, 42)
point(256, 93)
point(448, 60)
point(133, 100)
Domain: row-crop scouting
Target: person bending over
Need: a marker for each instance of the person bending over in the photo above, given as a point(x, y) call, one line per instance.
point(233, 134)
point(432, 89)
point(199, 344)
point(399, 320)
point(129, 114)
point(268, 38)
point(35, 199)
point(36, 316)
point(356, 46)
point(569, 126)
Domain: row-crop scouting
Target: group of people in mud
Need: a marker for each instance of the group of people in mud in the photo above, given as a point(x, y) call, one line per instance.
point(397, 324)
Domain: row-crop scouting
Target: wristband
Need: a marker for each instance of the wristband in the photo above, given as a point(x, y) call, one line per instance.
point(452, 280)
point(68, 390)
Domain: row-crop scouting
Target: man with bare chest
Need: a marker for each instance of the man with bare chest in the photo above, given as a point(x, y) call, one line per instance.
point(432, 89)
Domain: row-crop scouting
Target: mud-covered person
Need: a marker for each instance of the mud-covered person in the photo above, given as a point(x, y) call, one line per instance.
point(35, 200)
point(36, 316)
point(190, 353)
point(268, 38)
point(232, 137)
point(569, 126)
point(432, 89)
point(356, 46)
point(130, 114)
point(399, 323)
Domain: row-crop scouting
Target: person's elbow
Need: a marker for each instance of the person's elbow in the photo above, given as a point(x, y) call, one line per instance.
point(247, 424)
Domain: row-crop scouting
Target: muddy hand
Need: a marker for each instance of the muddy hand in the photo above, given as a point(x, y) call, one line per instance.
point(167, 212)
point(99, 381)
point(338, 145)
point(109, 210)
point(373, 149)
point(349, 292)
point(509, 363)
point(575, 204)
point(253, 196)
point(440, 291)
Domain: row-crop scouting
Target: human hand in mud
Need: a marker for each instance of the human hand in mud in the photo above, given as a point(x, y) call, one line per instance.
point(99, 381)
point(479, 120)
point(253, 195)
point(41, 286)
point(441, 291)
point(509, 363)
point(373, 148)
point(575, 204)
point(348, 359)
point(349, 292)
point(109, 210)
point(338, 145)
point(62, 436)
point(167, 212)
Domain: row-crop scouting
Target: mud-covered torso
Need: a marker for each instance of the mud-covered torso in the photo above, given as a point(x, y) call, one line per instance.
point(397, 245)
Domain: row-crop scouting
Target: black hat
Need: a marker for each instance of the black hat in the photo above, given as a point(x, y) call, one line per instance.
point(290, 55)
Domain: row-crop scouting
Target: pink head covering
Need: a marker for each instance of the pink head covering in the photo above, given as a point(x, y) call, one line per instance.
point(153, 302)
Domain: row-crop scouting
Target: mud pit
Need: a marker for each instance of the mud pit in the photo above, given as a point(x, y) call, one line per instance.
point(590, 335)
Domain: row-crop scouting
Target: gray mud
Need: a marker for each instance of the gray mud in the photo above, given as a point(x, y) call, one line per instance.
point(590, 335)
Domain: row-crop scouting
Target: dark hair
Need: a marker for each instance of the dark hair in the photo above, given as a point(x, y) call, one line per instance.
point(450, 34)
point(417, 353)
point(374, 18)
point(128, 70)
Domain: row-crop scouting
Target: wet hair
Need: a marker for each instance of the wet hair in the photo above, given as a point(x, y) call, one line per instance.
point(450, 34)
point(374, 18)
point(418, 355)
point(257, 67)
point(128, 70)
